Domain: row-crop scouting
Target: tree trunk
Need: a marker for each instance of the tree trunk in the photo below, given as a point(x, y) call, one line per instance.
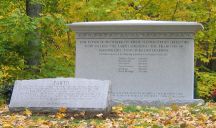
point(34, 48)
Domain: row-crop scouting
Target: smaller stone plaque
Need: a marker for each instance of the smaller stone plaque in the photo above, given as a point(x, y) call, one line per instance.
point(48, 95)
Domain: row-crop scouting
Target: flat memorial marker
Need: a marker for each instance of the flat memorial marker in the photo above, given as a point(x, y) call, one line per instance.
point(48, 95)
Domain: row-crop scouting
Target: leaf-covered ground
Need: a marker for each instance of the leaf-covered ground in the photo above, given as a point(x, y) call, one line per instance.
point(188, 116)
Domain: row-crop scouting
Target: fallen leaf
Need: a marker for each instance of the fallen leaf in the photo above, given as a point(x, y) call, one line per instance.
point(7, 126)
point(27, 112)
point(60, 115)
point(99, 115)
point(62, 109)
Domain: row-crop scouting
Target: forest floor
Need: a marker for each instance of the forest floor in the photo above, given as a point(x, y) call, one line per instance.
point(187, 116)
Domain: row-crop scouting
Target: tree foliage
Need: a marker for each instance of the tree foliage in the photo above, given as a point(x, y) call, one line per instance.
point(58, 44)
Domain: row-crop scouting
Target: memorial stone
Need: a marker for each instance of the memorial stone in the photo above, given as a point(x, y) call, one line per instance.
point(48, 95)
point(147, 61)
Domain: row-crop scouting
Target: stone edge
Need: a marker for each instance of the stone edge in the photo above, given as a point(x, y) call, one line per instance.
point(159, 102)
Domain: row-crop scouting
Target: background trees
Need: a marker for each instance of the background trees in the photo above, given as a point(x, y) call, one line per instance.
point(54, 52)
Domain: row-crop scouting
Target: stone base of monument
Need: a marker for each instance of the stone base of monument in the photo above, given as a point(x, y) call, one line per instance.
point(55, 109)
point(159, 102)
point(88, 111)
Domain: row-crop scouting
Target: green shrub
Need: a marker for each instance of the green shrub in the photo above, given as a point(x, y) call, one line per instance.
point(206, 84)
point(5, 93)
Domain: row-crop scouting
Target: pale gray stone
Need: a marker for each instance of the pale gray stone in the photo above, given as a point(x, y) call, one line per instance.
point(160, 102)
point(135, 26)
point(145, 60)
point(48, 95)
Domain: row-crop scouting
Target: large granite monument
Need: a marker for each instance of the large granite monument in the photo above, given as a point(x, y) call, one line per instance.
point(146, 61)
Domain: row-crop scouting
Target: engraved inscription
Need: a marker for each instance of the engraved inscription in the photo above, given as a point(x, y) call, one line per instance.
point(125, 35)
point(141, 95)
point(133, 47)
point(141, 65)
point(131, 64)
point(63, 87)
point(133, 54)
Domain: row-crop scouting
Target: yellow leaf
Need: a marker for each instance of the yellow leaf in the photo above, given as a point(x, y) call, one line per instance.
point(117, 109)
point(62, 110)
point(174, 107)
point(7, 126)
point(44, 126)
point(138, 107)
point(60, 115)
point(27, 112)
point(82, 113)
point(20, 127)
